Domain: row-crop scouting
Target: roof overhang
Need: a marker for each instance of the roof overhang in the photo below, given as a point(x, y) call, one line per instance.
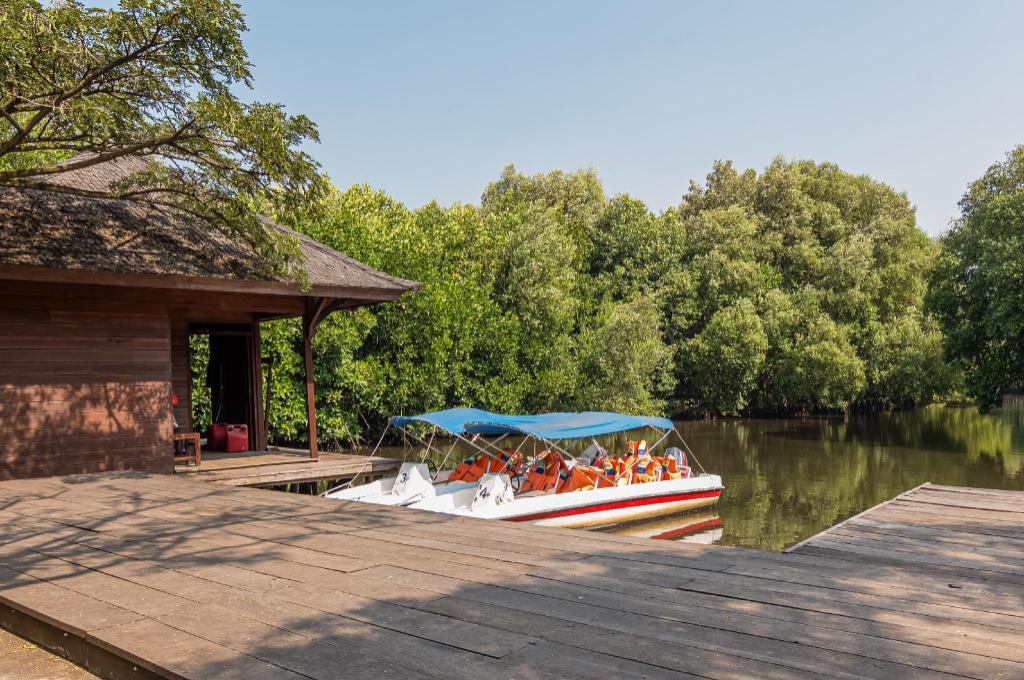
point(353, 297)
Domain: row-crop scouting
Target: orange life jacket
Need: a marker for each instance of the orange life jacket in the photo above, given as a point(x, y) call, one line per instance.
point(472, 469)
point(612, 467)
point(581, 478)
point(544, 474)
point(621, 469)
point(647, 469)
point(598, 474)
point(462, 469)
point(512, 461)
point(636, 466)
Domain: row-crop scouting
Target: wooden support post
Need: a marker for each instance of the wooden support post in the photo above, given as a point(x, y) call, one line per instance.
point(269, 399)
point(307, 357)
point(259, 438)
point(316, 308)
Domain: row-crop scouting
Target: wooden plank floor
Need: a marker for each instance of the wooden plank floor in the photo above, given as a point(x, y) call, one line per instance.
point(270, 468)
point(190, 580)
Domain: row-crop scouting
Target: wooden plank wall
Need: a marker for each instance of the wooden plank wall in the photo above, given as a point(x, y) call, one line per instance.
point(84, 382)
point(86, 372)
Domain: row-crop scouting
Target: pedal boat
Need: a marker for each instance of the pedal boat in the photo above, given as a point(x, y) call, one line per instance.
point(553, 488)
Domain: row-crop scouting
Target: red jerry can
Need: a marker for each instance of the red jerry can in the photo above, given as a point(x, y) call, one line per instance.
point(217, 437)
point(237, 438)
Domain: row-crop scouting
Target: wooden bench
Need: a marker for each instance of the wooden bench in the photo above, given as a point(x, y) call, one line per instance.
point(186, 438)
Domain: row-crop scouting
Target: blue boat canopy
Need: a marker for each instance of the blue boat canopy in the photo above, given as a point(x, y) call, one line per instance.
point(451, 420)
point(554, 426)
point(550, 426)
point(456, 420)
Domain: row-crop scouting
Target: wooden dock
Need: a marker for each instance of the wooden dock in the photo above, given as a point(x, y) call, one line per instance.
point(153, 576)
point(286, 466)
point(949, 528)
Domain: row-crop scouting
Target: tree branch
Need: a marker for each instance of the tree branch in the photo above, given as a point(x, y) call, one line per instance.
point(89, 77)
point(149, 145)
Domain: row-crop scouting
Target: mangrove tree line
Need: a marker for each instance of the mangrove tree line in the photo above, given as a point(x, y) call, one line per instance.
point(977, 284)
point(796, 289)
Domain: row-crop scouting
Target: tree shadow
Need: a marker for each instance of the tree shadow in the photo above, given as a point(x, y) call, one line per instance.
point(215, 581)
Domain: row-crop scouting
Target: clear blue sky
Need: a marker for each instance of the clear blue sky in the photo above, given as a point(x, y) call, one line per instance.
point(431, 99)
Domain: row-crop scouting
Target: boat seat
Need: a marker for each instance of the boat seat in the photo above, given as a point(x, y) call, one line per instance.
point(675, 464)
point(475, 467)
point(583, 478)
point(544, 474)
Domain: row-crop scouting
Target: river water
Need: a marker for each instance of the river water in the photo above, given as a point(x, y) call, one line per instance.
point(787, 479)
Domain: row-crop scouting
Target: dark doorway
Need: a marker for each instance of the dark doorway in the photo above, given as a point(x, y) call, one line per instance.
point(229, 375)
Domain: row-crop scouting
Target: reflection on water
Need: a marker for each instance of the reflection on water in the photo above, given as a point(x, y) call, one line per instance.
point(703, 526)
point(786, 480)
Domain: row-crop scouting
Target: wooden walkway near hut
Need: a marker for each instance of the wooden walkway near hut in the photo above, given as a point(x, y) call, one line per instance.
point(286, 466)
point(170, 578)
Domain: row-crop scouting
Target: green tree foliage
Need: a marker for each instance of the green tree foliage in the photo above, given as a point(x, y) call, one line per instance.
point(812, 365)
point(831, 262)
point(799, 288)
point(202, 399)
point(727, 356)
point(792, 290)
point(624, 365)
point(906, 364)
point(151, 78)
point(977, 285)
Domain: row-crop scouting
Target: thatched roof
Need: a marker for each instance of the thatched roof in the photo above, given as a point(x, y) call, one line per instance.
point(68, 231)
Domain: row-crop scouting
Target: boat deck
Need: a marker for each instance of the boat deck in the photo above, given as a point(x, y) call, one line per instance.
point(285, 466)
point(185, 580)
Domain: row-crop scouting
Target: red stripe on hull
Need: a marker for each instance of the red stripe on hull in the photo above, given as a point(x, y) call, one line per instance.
point(615, 505)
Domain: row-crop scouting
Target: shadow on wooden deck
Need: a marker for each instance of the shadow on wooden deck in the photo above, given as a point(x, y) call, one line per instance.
point(201, 580)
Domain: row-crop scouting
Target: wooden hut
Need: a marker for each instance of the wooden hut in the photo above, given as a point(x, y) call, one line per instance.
point(97, 301)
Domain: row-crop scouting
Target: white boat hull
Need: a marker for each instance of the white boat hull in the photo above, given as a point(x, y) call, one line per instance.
point(592, 508)
point(411, 484)
point(596, 507)
point(592, 517)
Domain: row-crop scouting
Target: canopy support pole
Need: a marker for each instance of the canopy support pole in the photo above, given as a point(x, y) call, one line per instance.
point(689, 451)
point(663, 437)
point(366, 462)
point(444, 461)
point(471, 442)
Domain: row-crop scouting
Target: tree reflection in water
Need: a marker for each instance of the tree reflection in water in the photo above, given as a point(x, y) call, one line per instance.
point(786, 480)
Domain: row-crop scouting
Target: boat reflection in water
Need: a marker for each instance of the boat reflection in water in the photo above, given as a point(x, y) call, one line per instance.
point(692, 527)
